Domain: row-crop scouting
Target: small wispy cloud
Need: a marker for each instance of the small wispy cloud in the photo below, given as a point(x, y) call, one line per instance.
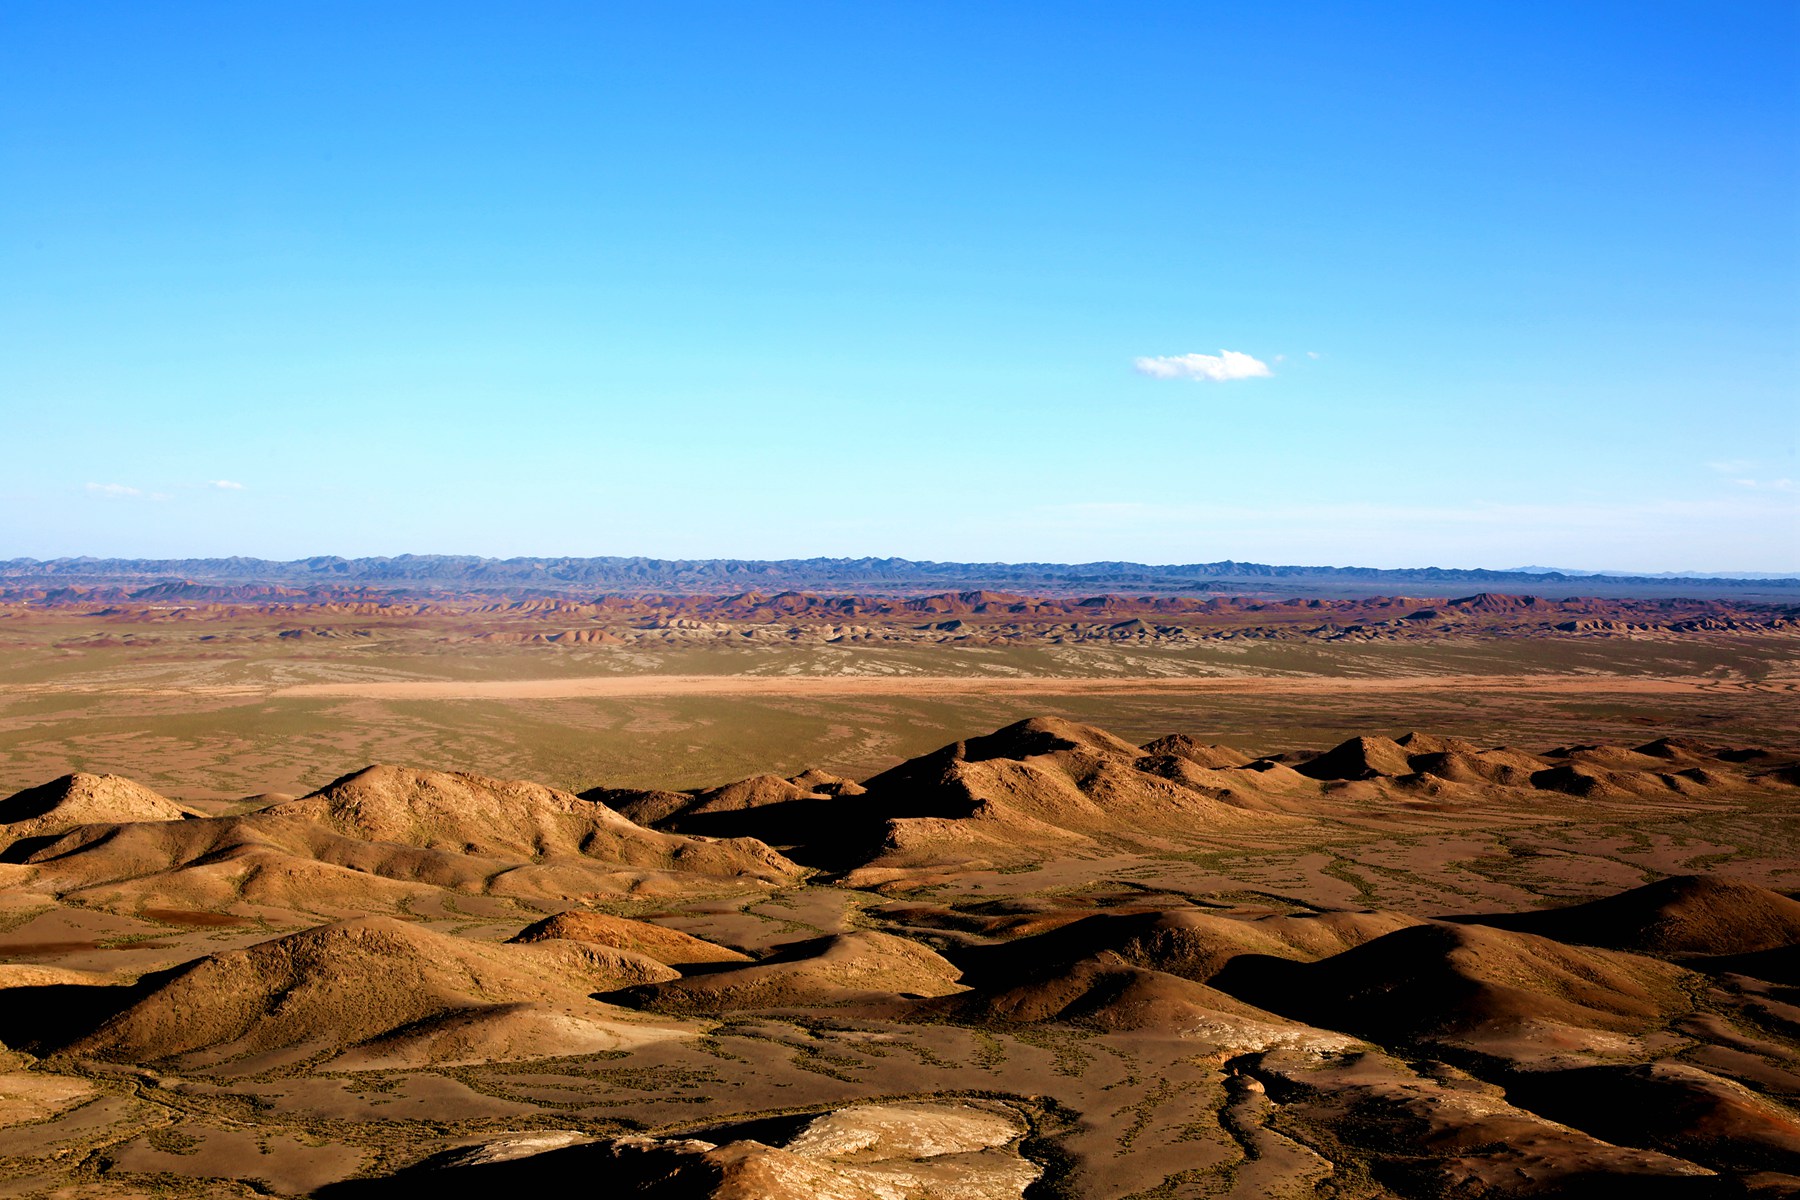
point(226, 485)
point(1746, 473)
point(1312, 354)
point(1222, 367)
point(123, 491)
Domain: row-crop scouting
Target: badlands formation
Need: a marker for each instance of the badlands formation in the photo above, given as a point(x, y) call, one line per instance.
point(1039, 961)
point(111, 616)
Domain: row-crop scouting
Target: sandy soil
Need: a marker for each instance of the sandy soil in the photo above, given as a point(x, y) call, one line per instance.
point(1216, 1028)
point(621, 686)
point(1164, 1089)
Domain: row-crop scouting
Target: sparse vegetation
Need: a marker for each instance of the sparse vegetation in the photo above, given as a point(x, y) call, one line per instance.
point(1174, 920)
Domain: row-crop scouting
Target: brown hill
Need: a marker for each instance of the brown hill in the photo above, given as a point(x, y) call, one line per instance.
point(835, 970)
point(1464, 983)
point(1780, 965)
point(1201, 754)
point(669, 946)
point(1496, 602)
point(643, 806)
point(1683, 914)
point(1404, 759)
point(464, 1037)
point(758, 791)
point(1668, 1106)
point(814, 780)
point(1039, 786)
point(247, 866)
point(385, 837)
point(1048, 787)
point(1436, 1131)
point(1107, 992)
point(338, 985)
point(1189, 943)
point(1359, 758)
point(502, 818)
point(82, 799)
point(1044, 785)
point(780, 811)
point(1455, 770)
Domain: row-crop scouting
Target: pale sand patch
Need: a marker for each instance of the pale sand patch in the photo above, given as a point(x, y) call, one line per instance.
point(35, 1096)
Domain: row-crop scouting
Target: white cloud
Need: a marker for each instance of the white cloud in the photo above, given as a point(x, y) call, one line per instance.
point(227, 485)
point(117, 490)
point(1746, 473)
point(1312, 354)
point(1203, 368)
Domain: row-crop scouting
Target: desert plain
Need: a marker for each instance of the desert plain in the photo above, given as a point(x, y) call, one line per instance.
point(971, 894)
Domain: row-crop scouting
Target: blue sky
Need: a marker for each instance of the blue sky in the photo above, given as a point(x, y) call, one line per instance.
point(1516, 283)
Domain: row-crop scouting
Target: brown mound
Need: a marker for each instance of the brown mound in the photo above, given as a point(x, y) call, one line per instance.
point(1184, 942)
point(781, 811)
point(82, 799)
point(814, 780)
point(502, 1033)
point(1506, 768)
point(500, 818)
point(764, 807)
point(1045, 735)
point(1322, 934)
point(1414, 742)
point(1681, 750)
point(1780, 965)
point(1034, 788)
point(1107, 992)
point(244, 865)
point(1495, 602)
point(1587, 784)
point(345, 983)
point(1437, 1132)
point(1683, 914)
point(669, 946)
point(1603, 757)
point(1179, 745)
point(373, 841)
point(828, 970)
point(1667, 1106)
point(646, 807)
point(1461, 982)
point(1050, 787)
point(758, 791)
point(1359, 758)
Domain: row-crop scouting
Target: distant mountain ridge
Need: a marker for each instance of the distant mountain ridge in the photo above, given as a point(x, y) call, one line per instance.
point(424, 573)
point(1573, 572)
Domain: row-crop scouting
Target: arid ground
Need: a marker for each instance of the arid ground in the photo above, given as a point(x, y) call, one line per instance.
point(1452, 896)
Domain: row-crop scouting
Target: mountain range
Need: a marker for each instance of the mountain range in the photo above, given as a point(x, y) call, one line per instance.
point(439, 573)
